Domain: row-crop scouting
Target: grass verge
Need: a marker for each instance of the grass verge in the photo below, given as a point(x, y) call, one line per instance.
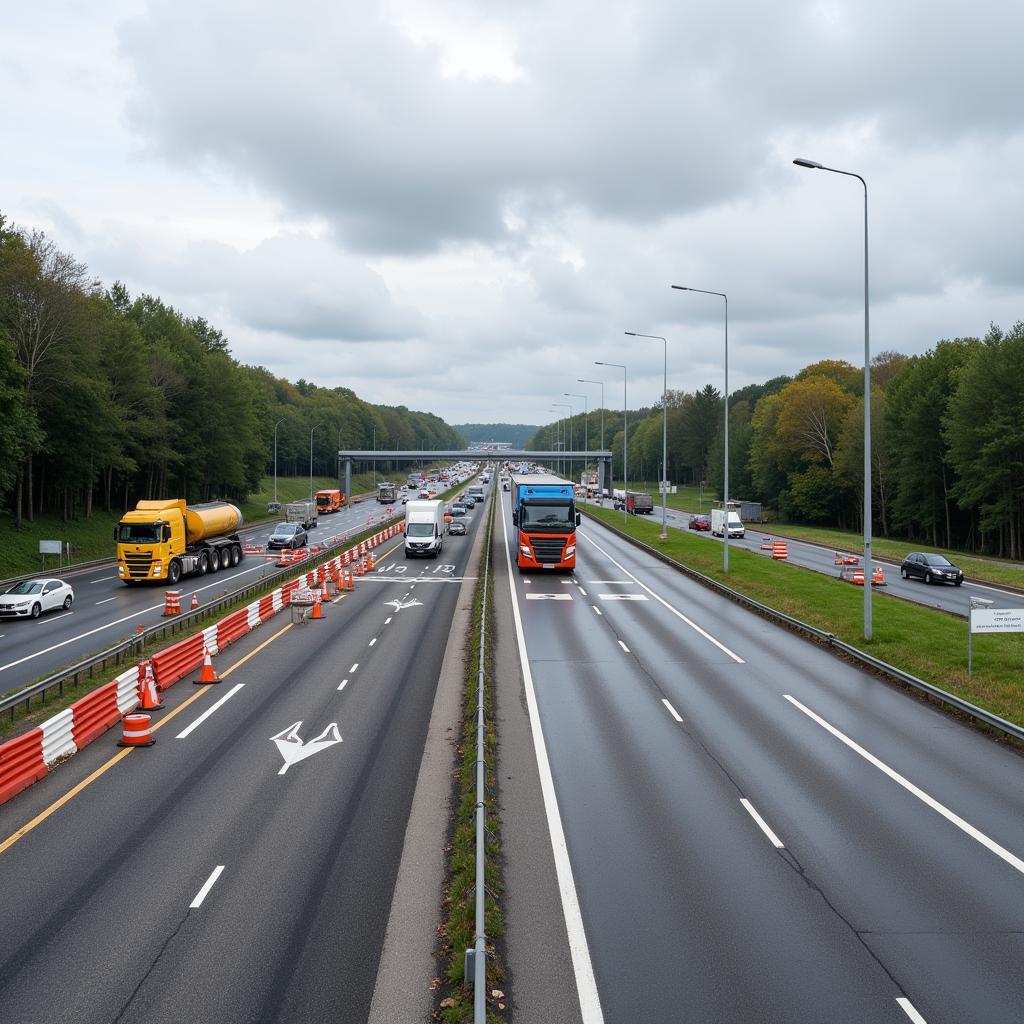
point(922, 641)
point(456, 933)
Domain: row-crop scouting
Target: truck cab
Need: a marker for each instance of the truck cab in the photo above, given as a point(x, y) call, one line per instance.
point(544, 511)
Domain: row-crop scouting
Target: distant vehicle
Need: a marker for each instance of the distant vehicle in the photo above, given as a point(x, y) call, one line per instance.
point(288, 535)
point(931, 568)
point(331, 500)
point(424, 529)
point(165, 540)
point(30, 598)
point(476, 491)
point(457, 510)
point(387, 494)
point(718, 521)
point(457, 528)
point(638, 504)
point(303, 512)
point(750, 511)
point(424, 492)
point(700, 522)
point(273, 508)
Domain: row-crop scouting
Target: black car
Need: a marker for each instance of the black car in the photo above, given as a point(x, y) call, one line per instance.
point(457, 528)
point(288, 535)
point(931, 568)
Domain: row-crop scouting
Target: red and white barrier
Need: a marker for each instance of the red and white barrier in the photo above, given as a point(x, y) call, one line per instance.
point(58, 740)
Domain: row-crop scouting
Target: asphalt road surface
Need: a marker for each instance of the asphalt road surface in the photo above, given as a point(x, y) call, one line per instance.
point(241, 869)
point(107, 611)
point(944, 596)
point(754, 830)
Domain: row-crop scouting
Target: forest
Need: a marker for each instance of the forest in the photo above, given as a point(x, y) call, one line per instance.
point(947, 443)
point(109, 398)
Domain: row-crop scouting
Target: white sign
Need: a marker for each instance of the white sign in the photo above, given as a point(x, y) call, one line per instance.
point(49, 547)
point(997, 620)
point(293, 750)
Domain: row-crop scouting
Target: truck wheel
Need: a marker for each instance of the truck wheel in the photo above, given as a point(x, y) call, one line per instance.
point(204, 565)
point(236, 555)
point(174, 572)
point(214, 559)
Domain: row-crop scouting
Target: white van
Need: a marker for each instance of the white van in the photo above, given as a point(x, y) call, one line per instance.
point(424, 528)
point(736, 528)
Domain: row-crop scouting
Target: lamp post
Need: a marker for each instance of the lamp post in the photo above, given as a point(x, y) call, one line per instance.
point(276, 425)
point(558, 441)
point(586, 435)
point(814, 165)
point(725, 486)
point(566, 405)
point(311, 429)
point(664, 429)
point(625, 440)
point(374, 461)
point(600, 383)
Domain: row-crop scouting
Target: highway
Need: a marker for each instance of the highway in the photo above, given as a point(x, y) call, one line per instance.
point(945, 597)
point(241, 869)
point(106, 611)
point(756, 831)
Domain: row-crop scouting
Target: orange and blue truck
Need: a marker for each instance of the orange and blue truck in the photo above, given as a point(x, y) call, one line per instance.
point(544, 514)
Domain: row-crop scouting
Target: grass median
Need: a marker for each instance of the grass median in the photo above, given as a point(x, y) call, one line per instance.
point(929, 644)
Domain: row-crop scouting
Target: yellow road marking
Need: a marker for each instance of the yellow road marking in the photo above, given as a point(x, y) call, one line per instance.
point(122, 754)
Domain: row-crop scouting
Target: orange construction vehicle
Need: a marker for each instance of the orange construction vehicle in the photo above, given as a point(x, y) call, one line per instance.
point(330, 501)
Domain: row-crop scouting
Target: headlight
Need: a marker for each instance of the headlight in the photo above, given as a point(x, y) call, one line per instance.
point(571, 549)
point(120, 570)
point(525, 550)
point(158, 570)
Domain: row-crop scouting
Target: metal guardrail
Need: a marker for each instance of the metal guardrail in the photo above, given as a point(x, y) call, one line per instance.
point(831, 640)
point(127, 647)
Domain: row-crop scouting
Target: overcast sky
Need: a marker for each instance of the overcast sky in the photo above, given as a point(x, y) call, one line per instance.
point(459, 206)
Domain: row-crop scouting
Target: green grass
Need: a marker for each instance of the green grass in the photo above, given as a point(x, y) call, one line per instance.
point(926, 643)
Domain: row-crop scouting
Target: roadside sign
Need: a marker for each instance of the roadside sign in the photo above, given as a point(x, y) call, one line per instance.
point(997, 620)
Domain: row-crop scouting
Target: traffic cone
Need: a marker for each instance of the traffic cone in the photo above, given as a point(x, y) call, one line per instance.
point(208, 674)
point(195, 601)
point(148, 700)
point(316, 613)
point(369, 562)
point(349, 585)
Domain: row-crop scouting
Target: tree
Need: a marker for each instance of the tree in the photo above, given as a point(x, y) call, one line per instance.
point(812, 410)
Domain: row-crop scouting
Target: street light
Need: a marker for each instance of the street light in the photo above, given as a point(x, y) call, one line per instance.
point(586, 435)
point(311, 429)
point(664, 429)
point(558, 440)
point(814, 165)
point(600, 383)
point(566, 405)
point(276, 425)
point(625, 440)
point(374, 461)
point(725, 487)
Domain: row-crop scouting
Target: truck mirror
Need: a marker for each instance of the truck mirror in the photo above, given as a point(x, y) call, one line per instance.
point(115, 534)
point(515, 517)
point(166, 532)
point(579, 518)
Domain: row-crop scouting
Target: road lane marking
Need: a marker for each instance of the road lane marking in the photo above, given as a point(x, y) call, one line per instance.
point(344, 682)
point(624, 647)
point(209, 711)
point(387, 620)
point(353, 668)
point(596, 609)
point(614, 583)
point(965, 826)
point(106, 600)
point(908, 1008)
point(548, 597)
point(583, 592)
point(675, 611)
point(372, 642)
point(122, 754)
point(207, 886)
point(103, 579)
point(586, 985)
point(623, 597)
point(762, 824)
point(671, 710)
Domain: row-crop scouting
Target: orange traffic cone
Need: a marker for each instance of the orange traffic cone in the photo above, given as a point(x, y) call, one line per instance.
point(135, 731)
point(349, 585)
point(208, 674)
point(195, 601)
point(316, 612)
point(369, 562)
point(148, 700)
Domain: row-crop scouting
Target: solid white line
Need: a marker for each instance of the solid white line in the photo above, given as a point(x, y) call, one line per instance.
point(343, 682)
point(372, 642)
point(106, 600)
point(583, 592)
point(353, 668)
point(103, 579)
point(671, 710)
point(772, 837)
point(209, 711)
point(387, 620)
point(908, 1008)
point(202, 894)
point(990, 844)
point(596, 609)
point(624, 647)
point(586, 985)
point(674, 611)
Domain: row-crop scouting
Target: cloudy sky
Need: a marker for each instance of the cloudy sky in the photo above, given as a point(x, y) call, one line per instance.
point(459, 206)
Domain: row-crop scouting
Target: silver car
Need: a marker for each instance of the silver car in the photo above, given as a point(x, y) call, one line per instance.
point(30, 598)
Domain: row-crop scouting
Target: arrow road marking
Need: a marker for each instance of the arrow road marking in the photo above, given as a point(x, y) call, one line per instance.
point(293, 750)
point(549, 597)
point(623, 597)
point(401, 603)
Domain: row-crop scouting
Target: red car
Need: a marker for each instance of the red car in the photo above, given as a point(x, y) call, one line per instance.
point(700, 522)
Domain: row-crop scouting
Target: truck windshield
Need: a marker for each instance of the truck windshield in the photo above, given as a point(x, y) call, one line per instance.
point(547, 518)
point(138, 533)
point(420, 530)
point(322, 499)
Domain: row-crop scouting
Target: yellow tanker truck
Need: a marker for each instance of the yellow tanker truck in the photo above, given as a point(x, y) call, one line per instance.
point(165, 540)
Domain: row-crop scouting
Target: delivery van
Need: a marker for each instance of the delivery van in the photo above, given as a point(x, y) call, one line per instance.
point(424, 529)
point(736, 528)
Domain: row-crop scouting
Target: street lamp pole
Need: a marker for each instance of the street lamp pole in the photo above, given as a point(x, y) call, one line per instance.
point(586, 436)
point(664, 430)
point(311, 429)
point(374, 461)
point(725, 486)
point(566, 405)
point(625, 438)
point(814, 165)
point(600, 383)
point(276, 425)
point(558, 441)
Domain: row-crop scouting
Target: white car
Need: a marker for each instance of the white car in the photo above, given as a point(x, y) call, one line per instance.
point(30, 598)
